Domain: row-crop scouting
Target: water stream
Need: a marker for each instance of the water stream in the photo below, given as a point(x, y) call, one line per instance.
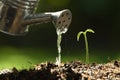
point(59, 39)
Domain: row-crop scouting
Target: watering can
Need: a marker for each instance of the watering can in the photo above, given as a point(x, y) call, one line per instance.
point(17, 15)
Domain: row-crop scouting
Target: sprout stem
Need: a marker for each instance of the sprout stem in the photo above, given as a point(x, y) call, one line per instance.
point(87, 50)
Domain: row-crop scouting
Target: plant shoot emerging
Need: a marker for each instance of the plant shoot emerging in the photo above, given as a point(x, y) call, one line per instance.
point(86, 41)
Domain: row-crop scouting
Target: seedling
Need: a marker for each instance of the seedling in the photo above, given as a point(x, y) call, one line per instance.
point(86, 41)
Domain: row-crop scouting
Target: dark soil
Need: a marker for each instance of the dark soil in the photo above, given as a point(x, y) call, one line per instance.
point(74, 70)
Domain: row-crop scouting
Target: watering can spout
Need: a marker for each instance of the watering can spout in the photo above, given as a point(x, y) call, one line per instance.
point(60, 19)
point(17, 15)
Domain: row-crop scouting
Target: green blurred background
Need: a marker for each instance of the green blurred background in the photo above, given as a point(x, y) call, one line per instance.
point(39, 45)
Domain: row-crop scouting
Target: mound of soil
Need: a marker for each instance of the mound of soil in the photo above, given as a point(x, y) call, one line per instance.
point(74, 70)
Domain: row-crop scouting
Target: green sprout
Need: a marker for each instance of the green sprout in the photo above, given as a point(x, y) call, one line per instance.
point(86, 41)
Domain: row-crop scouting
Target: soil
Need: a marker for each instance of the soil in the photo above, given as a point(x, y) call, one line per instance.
point(74, 70)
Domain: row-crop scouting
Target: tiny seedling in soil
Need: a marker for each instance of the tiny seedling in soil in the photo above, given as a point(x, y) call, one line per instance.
point(86, 41)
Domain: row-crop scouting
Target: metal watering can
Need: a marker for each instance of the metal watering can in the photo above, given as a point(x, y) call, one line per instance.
point(17, 15)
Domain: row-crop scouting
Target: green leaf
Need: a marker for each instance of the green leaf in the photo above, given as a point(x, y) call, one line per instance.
point(79, 34)
point(90, 30)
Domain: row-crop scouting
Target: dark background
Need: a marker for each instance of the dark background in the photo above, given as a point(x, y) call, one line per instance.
point(103, 16)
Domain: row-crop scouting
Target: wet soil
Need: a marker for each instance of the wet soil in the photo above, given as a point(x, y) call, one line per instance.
point(74, 70)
